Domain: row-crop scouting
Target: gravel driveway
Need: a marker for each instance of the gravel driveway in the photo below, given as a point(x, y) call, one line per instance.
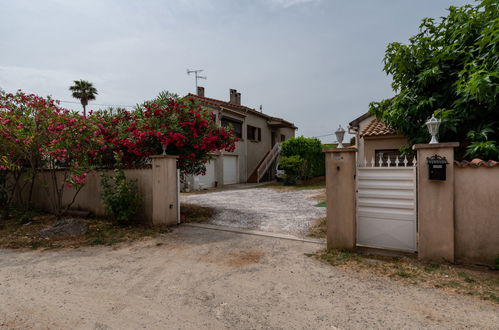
point(265, 209)
point(208, 279)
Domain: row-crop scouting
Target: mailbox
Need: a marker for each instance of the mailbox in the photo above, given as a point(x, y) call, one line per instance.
point(437, 166)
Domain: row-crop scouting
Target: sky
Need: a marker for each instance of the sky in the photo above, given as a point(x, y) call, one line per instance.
point(316, 63)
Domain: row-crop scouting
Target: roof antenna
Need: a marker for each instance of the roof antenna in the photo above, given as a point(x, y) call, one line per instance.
point(261, 108)
point(197, 76)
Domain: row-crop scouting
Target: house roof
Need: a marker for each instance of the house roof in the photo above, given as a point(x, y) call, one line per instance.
point(477, 163)
point(356, 121)
point(207, 101)
point(377, 128)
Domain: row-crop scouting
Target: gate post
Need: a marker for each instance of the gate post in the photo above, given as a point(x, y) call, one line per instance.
point(164, 190)
point(340, 192)
point(435, 205)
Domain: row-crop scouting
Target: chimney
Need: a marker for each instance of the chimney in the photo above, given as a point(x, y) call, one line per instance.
point(200, 91)
point(233, 96)
point(238, 98)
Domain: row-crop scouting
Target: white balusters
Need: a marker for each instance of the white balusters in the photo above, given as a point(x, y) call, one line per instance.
point(414, 161)
point(388, 162)
point(405, 161)
point(372, 162)
point(380, 162)
point(397, 161)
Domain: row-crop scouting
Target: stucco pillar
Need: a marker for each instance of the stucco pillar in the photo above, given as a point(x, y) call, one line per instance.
point(435, 205)
point(164, 190)
point(340, 191)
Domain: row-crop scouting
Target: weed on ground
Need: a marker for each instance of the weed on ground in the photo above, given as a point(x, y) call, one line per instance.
point(480, 283)
point(195, 213)
point(17, 233)
point(318, 229)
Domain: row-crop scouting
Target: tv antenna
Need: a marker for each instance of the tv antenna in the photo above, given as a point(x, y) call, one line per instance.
point(197, 76)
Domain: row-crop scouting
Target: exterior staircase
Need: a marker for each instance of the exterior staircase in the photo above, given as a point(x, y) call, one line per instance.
point(266, 164)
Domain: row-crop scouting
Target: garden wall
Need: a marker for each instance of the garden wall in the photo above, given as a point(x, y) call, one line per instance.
point(162, 181)
point(476, 212)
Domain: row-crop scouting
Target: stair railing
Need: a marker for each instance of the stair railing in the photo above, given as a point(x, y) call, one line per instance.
point(269, 159)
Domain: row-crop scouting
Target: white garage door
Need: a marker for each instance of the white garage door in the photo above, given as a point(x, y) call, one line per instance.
point(208, 180)
point(230, 169)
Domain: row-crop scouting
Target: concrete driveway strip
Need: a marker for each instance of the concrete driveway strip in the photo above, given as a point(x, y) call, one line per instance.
point(263, 209)
point(196, 278)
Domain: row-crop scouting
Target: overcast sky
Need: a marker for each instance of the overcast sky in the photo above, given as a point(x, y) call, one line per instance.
point(317, 63)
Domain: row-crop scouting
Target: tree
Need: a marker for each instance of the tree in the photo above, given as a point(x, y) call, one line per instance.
point(84, 91)
point(449, 68)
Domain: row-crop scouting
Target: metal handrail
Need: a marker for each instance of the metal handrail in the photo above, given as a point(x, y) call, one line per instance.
point(268, 160)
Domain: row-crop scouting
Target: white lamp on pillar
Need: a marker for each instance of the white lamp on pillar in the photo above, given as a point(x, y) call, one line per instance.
point(340, 133)
point(433, 125)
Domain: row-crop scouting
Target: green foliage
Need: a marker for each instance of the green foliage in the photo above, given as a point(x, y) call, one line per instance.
point(449, 68)
point(293, 166)
point(120, 196)
point(310, 151)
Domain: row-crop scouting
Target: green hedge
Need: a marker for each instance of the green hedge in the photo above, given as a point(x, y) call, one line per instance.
point(310, 151)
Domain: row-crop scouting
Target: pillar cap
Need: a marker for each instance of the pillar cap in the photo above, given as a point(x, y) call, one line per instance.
point(436, 145)
point(339, 150)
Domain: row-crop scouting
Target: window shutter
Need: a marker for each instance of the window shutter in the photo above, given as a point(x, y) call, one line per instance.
point(259, 134)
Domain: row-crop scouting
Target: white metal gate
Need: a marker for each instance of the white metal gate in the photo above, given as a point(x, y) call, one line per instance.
point(387, 204)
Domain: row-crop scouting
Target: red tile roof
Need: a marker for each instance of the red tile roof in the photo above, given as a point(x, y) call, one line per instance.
point(377, 128)
point(219, 103)
point(477, 163)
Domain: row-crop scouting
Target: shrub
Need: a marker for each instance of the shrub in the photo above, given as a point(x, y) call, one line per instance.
point(293, 166)
point(120, 196)
point(310, 151)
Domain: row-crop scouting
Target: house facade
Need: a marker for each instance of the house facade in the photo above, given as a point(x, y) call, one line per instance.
point(374, 139)
point(259, 134)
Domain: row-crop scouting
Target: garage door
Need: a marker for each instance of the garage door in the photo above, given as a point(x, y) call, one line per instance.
point(230, 169)
point(208, 180)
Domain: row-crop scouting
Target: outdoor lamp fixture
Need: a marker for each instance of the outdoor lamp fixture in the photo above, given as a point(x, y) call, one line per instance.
point(433, 124)
point(340, 133)
point(164, 149)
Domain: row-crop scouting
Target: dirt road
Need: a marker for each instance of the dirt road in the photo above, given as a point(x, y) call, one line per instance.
point(204, 279)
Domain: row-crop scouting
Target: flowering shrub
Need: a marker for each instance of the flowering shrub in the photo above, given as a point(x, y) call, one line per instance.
point(175, 126)
point(36, 133)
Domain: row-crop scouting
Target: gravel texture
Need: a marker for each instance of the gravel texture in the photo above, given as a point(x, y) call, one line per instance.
point(265, 209)
point(207, 279)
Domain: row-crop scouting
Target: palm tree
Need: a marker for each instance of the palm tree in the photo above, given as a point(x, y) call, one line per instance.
point(84, 91)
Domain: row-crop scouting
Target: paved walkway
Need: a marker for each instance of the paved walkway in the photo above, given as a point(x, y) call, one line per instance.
point(205, 279)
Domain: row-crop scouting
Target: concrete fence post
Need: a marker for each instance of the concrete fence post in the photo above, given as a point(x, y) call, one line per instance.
point(435, 205)
point(341, 195)
point(164, 190)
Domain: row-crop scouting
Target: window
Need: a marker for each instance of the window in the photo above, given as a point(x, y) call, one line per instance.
point(283, 138)
point(236, 125)
point(254, 133)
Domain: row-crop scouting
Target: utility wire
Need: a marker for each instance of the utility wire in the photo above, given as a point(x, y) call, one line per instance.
point(323, 135)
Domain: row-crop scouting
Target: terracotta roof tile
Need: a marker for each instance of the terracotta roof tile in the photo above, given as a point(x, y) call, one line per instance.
point(377, 128)
point(477, 163)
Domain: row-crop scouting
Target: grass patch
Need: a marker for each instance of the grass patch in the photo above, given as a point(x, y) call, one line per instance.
point(321, 204)
point(318, 229)
point(480, 283)
point(20, 234)
point(195, 213)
